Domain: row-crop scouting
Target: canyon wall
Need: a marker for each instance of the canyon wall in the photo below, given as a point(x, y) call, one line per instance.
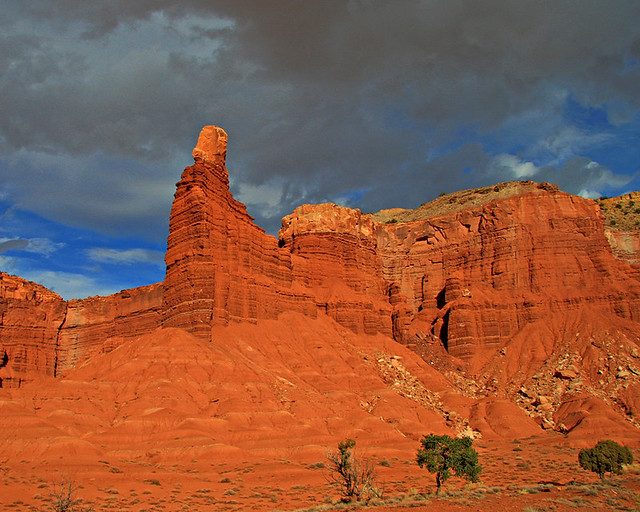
point(221, 267)
point(30, 319)
point(467, 271)
point(475, 277)
point(99, 324)
point(41, 334)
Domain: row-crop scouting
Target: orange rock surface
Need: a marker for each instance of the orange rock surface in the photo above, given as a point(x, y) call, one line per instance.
point(502, 313)
point(30, 319)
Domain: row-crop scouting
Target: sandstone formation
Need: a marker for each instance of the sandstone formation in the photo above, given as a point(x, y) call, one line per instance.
point(515, 291)
point(42, 334)
point(99, 324)
point(221, 267)
point(508, 312)
point(30, 318)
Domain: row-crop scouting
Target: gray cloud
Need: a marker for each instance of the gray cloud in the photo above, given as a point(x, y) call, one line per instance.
point(12, 245)
point(373, 103)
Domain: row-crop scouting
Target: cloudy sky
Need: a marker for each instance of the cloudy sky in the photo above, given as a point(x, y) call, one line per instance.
point(370, 104)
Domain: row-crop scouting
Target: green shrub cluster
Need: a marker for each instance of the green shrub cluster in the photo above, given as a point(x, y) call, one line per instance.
point(443, 454)
point(605, 457)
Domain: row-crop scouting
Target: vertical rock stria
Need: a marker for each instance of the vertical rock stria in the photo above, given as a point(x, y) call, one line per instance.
point(30, 320)
point(220, 265)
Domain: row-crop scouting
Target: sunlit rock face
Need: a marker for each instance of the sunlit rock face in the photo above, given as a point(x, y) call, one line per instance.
point(221, 267)
point(30, 319)
point(477, 276)
point(513, 292)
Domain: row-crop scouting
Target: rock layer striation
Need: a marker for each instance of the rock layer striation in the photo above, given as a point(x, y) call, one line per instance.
point(513, 292)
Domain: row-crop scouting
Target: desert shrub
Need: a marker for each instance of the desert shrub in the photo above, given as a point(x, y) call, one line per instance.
point(605, 457)
point(63, 498)
point(355, 476)
point(442, 454)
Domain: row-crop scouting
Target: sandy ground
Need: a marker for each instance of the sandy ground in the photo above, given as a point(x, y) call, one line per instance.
point(528, 475)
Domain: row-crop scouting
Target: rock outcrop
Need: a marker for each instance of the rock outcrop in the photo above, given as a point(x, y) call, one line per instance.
point(41, 334)
point(221, 267)
point(518, 294)
point(477, 276)
point(30, 319)
point(99, 324)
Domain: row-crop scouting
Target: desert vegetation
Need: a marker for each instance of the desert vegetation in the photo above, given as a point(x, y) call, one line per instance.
point(355, 476)
point(443, 454)
point(605, 457)
point(64, 498)
point(621, 213)
point(552, 481)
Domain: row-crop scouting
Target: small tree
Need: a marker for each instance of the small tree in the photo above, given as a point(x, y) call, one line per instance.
point(441, 454)
point(64, 499)
point(355, 476)
point(606, 456)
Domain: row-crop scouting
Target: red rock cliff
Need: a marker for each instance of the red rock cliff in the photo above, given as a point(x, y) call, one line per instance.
point(476, 276)
point(221, 267)
point(40, 333)
point(470, 272)
point(102, 323)
point(30, 319)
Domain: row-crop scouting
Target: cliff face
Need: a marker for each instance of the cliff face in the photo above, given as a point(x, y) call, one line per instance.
point(512, 292)
point(99, 324)
point(221, 267)
point(476, 277)
point(30, 319)
point(42, 334)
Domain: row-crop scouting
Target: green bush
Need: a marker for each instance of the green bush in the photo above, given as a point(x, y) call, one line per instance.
point(442, 454)
point(605, 457)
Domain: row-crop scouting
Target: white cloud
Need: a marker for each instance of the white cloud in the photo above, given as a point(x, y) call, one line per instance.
point(43, 246)
point(517, 167)
point(570, 141)
point(266, 197)
point(589, 194)
point(125, 256)
point(8, 264)
point(69, 285)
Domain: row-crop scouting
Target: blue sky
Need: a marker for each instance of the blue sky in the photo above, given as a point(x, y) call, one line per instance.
point(371, 104)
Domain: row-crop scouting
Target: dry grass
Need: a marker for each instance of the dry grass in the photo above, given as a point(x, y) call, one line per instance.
point(621, 213)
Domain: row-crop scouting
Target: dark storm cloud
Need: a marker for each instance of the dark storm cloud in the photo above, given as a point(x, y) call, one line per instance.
point(376, 103)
